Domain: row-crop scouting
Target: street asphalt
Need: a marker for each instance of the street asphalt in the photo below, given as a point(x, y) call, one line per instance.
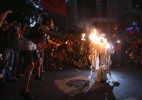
point(73, 84)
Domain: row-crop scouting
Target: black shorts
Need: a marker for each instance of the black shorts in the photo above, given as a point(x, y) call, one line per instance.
point(30, 56)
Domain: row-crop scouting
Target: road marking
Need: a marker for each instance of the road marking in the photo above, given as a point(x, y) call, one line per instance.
point(131, 98)
point(76, 70)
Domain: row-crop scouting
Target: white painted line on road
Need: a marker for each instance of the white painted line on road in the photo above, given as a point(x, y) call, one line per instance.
point(131, 98)
point(76, 70)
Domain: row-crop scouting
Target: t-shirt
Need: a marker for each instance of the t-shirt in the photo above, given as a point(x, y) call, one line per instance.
point(34, 34)
point(8, 39)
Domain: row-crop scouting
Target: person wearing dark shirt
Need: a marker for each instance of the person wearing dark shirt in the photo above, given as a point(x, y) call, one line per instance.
point(7, 43)
point(31, 52)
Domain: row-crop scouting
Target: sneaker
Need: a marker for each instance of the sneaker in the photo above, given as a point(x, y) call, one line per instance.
point(15, 78)
point(27, 96)
point(19, 76)
point(43, 71)
point(39, 78)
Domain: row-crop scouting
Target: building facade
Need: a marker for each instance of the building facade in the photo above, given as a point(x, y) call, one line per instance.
point(105, 14)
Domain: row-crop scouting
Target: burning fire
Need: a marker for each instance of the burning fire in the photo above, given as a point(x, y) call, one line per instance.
point(83, 36)
point(97, 38)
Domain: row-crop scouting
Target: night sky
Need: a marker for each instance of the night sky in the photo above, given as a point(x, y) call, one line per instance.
point(20, 9)
point(15, 5)
point(24, 9)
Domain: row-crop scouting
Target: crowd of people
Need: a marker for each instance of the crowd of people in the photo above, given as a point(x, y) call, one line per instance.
point(127, 49)
point(24, 51)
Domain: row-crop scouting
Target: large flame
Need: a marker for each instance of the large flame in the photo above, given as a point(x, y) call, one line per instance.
point(96, 38)
point(93, 36)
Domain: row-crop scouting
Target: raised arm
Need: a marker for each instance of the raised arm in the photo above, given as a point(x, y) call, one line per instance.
point(3, 16)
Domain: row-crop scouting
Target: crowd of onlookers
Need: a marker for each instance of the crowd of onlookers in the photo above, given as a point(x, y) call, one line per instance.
point(128, 49)
point(134, 43)
point(72, 53)
point(9, 48)
point(67, 55)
